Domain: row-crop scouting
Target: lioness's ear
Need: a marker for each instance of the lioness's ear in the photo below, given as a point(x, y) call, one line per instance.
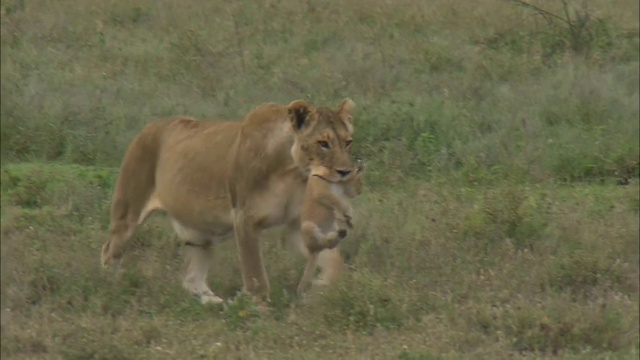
point(299, 111)
point(346, 107)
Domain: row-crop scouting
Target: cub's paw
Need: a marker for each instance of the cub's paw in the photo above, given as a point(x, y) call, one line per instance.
point(332, 239)
point(347, 220)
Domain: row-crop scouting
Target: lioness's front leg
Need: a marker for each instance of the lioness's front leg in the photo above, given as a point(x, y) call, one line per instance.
point(198, 257)
point(254, 275)
point(198, 254)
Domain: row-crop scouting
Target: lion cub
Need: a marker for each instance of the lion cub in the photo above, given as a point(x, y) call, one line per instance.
point(325, 215)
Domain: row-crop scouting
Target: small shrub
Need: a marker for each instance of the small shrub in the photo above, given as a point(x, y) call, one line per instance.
point(409, 355)
point(507, 213)
point(581, 271)
point(578, 30)
point(89, 344)
point(281, 301)
point(555, 324)
point(362, 303)
point(239, 312)
point(26, 191)
point(46, 282)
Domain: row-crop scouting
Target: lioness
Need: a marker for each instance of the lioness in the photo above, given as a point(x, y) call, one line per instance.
point(325, 215)
point(217, 179)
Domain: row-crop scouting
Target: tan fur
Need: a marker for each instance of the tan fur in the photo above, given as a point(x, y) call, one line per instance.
point(325, 215)
point(220, 178)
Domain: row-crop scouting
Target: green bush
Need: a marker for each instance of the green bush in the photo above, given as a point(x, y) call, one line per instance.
point(373, 305)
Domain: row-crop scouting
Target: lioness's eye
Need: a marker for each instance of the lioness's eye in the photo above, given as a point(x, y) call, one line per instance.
point(324, 144)
point(348, 143)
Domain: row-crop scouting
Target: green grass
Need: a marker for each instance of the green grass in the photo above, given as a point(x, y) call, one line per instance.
point(480, 272)
point(500, 211)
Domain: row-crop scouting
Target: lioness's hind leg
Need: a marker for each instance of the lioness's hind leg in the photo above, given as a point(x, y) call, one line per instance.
point(198, 254)
point(121, 231)
point(195, 281)
point(125, 218)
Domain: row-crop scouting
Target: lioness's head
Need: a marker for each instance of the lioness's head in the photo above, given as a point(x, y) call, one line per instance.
point(322, 137)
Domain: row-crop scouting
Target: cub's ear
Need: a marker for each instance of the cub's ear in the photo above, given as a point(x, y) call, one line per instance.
point(299, 112)
point(346, 108)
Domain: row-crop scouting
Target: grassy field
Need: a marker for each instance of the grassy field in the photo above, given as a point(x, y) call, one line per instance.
point(500, 217)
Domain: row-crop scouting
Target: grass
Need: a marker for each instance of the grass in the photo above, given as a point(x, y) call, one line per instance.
point(499, 219)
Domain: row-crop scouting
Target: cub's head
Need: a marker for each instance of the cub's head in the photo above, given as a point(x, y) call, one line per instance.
point(323, 137)
point(353, 185)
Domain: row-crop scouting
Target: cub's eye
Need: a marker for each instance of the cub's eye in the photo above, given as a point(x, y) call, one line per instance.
point(323, 144)
point(348, 143)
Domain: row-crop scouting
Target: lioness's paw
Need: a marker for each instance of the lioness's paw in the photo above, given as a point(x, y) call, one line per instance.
point(105, 256)
point(322, 283)
point(262, 306)
point(306, 298)
point(210, 299)
point(303, 288)
point(111, 265)
point(205, 296)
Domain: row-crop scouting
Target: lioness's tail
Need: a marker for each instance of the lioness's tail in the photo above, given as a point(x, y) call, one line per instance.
point(136, 182)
